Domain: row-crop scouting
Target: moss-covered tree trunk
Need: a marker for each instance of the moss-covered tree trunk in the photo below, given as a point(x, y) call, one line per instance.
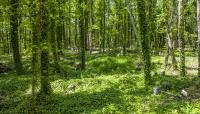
point(181, 37)
point(144, 41)
point(44, 24)
point(14, 35)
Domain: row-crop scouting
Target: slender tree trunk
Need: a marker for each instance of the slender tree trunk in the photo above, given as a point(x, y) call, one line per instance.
point(181, 36)
point(90, 27)
point(82, 37)
point(125, 31)
point(104, 24)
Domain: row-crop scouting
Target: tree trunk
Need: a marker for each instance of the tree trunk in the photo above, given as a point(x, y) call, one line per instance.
point(43, 13)
point(59, 30)
point(82, 36)
point(125, 31)
point(144, 41)
point(90, 27)
point(181, 36)
point(35, 55)
point(14, 35)
point(69, 24)
point(198, 24)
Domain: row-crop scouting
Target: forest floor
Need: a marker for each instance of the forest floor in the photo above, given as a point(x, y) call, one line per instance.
point(110, 84)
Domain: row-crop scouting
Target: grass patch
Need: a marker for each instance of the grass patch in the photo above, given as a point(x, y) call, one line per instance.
point(108, 85)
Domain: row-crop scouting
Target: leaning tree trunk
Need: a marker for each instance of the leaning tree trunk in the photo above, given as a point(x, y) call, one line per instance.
point(198, 24)
point(181, 36)
point(144, 41)
point(14, 35)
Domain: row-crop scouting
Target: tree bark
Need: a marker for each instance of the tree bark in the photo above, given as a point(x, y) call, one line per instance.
point(181, 37)
point(144, 41)
point(35, 55)
point(14, 35)
point(44, 26)
point(82, 35)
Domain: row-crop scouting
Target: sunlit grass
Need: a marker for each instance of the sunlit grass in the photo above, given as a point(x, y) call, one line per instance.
point(108, 85)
